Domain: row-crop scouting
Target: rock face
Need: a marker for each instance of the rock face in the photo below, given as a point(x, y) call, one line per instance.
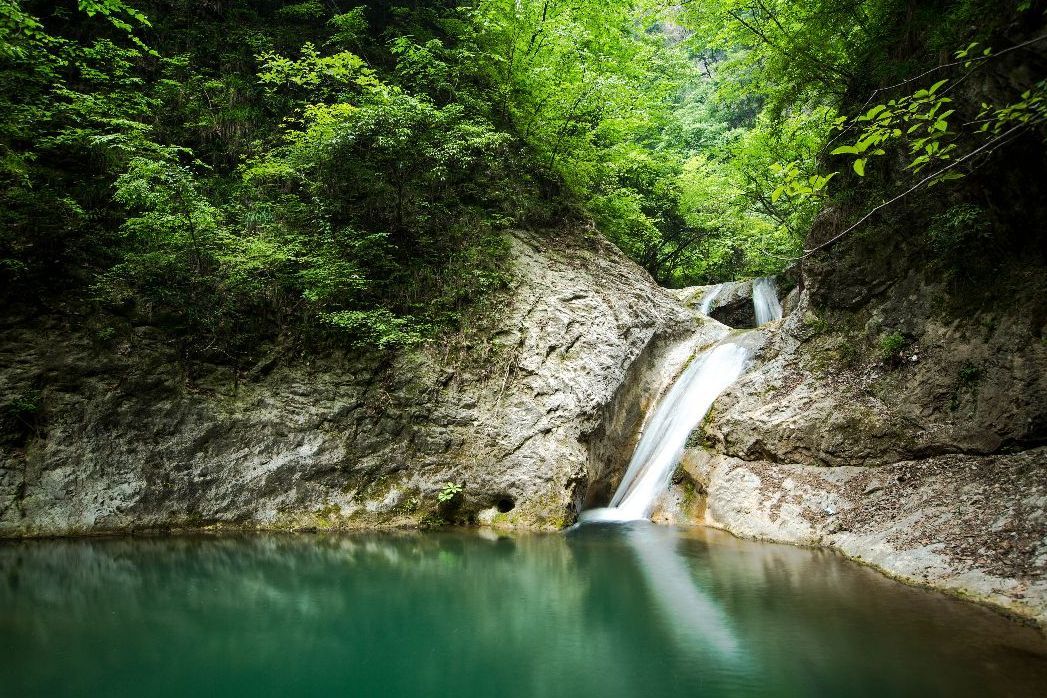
point(872, 422)
point(730, 303)
point(122, 439)
point(891, 420)
point(973, 525)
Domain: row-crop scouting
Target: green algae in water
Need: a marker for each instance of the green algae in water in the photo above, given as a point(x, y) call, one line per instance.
point(632, 610)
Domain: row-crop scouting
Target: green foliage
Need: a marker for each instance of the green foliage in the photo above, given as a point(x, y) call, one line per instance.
point(349, 28)
point(24, 406)
point(921, 121)
point(20, 417)
point(302, 11)
point(313, 77)
point(1029, 111)
point(968, 380)
point(120, 15)
point(891, 345)
point(254, 185)
point(795, 184)
point(920, 118)
point(821, 57)
point(816, 324)
point(386, 203)
point(449, 492)
point(176, 251)
point(242, 170)
point(959, 228)
point(970, 374)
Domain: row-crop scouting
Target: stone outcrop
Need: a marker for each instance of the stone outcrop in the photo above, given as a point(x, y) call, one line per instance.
point(509, 411)
point(884, 421)
point(973, 525)
point(731, 303)
point(870, 422)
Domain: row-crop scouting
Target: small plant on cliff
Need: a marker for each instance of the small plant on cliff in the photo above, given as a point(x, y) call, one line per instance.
point(816, 324)
point(967, 380)
point(890, 345)
point(449, 492)
point(958, 228)
point(20, 417)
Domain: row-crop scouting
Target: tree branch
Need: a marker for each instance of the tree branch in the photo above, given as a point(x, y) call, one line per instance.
point(992, 144)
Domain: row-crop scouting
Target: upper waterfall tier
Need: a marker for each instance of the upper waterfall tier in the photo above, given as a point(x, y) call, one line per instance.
point(765, 300)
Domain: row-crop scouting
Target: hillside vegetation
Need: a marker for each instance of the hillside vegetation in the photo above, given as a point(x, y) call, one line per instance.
point(338, 172)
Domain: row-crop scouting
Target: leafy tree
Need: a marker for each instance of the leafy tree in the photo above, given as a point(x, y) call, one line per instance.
point(252, 169)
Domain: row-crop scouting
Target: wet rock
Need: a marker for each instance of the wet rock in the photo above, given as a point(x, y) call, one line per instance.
point(936, 521)
point(509, 411)
point(887, 419)
point(732, 304)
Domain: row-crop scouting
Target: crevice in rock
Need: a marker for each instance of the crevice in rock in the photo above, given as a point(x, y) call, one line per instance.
point(738, 314)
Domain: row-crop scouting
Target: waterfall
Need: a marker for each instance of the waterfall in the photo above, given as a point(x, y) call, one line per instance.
point(765, 300)
point(665, 436)
point(708, 298)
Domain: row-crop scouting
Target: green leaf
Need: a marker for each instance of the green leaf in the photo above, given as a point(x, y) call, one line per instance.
point(945, 177)
point(864, 143)
point(859, 167)
point(871, 114)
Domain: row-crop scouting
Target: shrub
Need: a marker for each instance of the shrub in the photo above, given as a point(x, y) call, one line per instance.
point(449, 492)
point(20, 417)
point(890, 345)
point(958, 228)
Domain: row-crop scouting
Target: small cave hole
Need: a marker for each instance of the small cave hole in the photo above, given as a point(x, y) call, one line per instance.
point(505, 505)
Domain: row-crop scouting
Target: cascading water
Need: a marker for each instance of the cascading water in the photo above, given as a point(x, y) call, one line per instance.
point(663, 440)
point(708, 298)
point(765, 300)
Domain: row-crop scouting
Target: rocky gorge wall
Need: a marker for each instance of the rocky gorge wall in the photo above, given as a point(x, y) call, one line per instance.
point(511, 410)
point(924, 459)
point(897, 415)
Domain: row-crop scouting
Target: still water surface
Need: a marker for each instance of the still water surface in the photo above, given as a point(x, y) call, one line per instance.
point(633, 610)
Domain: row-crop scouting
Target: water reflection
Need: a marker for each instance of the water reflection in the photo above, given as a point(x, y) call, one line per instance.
point(605, 611)
point(697, 622)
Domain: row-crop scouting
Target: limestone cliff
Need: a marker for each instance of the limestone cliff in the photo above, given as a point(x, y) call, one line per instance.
point(510, 410)
point(923, 457)
point(899, 415)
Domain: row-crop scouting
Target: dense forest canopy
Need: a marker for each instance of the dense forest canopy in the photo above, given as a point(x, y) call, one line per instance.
point(236, 170)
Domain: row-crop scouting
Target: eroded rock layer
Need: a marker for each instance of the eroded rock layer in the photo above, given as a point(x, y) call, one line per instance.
point(508, 411)
point(901, 422)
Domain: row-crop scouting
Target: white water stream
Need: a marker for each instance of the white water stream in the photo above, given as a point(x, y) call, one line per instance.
point(708, 298)
point(665, 436)
point(765, 300)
